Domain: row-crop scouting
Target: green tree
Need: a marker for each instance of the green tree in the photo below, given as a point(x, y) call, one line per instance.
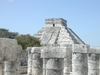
point(5, 33)
point(27, 41)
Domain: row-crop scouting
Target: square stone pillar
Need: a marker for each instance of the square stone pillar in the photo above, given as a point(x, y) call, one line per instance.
point(68, 60)
point(93, 64)
point(79, 60)
point(9, 68)
point(53, 59)
point(29, 69)
point(37, 62)
point(78, 64)
point(94, 61)
point(34, 61)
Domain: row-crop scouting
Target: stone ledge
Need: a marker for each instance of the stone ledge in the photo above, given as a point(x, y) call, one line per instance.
point(53, 51)
point(80, 48)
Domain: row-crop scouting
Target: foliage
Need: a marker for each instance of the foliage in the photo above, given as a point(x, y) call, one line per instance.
point(5, 33)
point(27, 41)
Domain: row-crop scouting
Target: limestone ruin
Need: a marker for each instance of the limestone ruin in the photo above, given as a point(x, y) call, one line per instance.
point(62, 53)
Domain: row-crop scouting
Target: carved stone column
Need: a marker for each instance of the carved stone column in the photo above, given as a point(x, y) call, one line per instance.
point(44, 66)
point(79, 64)
point(68, 60)
point(36, 61)
point(29, 69)
point(9, 68)
point(53, 59)
point(93, 64)
point(54, 66)
point(66, 66)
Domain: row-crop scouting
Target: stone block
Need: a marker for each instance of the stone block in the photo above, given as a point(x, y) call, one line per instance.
point(35, 56)
point(80, 70)
point(92, 64)
point(36, 64)
point(36, 72)
point(92, 72)
point(54, 72)
point(94, 50)
point(53, 52)
point(79, 59)
point(80, 48)
point(66, 70)
point(9, 50)
point(56, 64)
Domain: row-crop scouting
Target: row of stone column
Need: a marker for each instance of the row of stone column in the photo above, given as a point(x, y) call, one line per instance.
point(53, 61)
point(85, 64)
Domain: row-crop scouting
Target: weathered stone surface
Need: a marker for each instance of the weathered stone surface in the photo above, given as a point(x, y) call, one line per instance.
point(57, 64)
point(94, 50)
point(80, 48)
point(36, 64)
point(93, 64)
point(54, 72)
point(23, 70)
point(36, 72)
point(36, 56)
point(9, 68)
point(9, 50)
point(36, 50)
point(52, 51)
point(50, 35)
point(29, 70)
point(66, 70)
point(23, 57)
point(79, 67)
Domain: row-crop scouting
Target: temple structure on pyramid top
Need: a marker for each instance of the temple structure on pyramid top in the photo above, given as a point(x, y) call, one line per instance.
point(56, 31)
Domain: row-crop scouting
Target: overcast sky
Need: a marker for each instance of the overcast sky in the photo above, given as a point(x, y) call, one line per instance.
point(28, 16)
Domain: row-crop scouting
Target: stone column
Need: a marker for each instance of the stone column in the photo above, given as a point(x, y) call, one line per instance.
point(44, 66)
point(54, 66)
point(68, 60)
point(66, 66)
point(53, 56)
point(36, 61)
point(9, 68)
point(0, 68)
point(79, 64)
point(29, 69)
point(93, 65)
point(29, 64)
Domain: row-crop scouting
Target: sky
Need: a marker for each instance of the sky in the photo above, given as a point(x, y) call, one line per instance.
point(28, 16)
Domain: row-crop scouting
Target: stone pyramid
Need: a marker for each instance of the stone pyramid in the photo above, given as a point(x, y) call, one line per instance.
point(56, 31)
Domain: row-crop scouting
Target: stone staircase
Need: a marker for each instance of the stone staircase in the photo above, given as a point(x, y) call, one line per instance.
point(50, 35)
point(64, 37)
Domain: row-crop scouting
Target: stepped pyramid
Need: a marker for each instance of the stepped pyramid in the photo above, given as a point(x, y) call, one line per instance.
point(56, 31)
